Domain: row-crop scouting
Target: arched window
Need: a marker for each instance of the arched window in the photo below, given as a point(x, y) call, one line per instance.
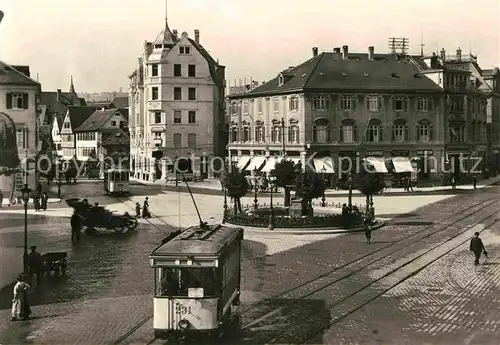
point(400, 131)
point(233, 133)
point(293, 132)
point(246, 137)
point(321, 131)
point(260, 132)
point(276, 132)
point(348, 131)
point(374, 131)
point(424, 131)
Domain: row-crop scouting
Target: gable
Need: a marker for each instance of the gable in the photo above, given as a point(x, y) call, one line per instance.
point(66, 125)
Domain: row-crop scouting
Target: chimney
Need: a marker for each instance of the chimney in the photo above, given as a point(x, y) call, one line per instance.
point(336, 50)
point(59, 93)
point(315, 51)
point(459, 54)
point(197, 36)
point(371, 49)
point(443, 54)
point(345, 52)
point(175, 32)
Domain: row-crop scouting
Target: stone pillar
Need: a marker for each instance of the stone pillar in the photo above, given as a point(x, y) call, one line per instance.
point(163, 169)
point(152, 169)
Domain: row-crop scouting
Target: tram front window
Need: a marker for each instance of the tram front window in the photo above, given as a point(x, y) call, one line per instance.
point(177, 281)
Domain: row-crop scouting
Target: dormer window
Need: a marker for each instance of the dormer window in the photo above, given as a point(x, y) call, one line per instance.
point(281, 80)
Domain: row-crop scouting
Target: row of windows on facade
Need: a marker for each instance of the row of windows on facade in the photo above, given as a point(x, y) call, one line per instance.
point(86, 152)
point(155, 94)
point(349, 134)
point(177, 117)
point(177, 70)
point(372, 103)
point(177, 139)
point(17, 100)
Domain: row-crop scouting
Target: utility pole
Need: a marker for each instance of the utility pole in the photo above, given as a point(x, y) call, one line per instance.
point(283, 137)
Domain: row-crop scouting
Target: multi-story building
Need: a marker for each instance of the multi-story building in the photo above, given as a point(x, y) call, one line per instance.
point(74, 117)
point(176, 105)
point(19, 101)
point(492, 79)
point(96, 130)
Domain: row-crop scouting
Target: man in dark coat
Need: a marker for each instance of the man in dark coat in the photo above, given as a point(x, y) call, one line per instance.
point(477, 246)
point(35, 264)
point(76, 225)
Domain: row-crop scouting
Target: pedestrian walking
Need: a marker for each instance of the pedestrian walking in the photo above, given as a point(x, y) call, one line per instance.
point(1, 198)
point(474, 181)
point(76, 226)
point(477, 246)
point(35, 265)
point(138, 210)
point(45, 199)
point(145, 209)
point(20, 306)
point(368, 230)
point(36, 202)
point(453, 183)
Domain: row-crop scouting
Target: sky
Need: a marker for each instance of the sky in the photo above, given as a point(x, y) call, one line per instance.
point(99, 41)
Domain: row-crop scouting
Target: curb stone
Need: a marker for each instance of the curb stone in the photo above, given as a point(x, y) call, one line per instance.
point(295, 231)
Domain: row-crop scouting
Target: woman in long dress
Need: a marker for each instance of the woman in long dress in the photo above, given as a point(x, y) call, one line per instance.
point(20, 306)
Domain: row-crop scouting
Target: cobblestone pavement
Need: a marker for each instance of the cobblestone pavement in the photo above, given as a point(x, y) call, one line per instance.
point(108, 286)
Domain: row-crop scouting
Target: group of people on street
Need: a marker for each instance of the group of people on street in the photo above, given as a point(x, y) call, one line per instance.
point(145, 209)
point(408, 183)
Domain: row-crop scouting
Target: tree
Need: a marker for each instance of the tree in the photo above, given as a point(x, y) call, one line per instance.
point(236, 185)
point(309, 185)
point(285, 174)
point(369, 183)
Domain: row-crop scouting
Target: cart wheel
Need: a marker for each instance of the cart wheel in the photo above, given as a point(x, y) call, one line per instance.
point(64, 266)
point(119, 227)
point(132, 223)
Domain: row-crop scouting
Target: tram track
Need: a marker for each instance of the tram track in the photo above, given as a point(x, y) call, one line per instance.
point(310, 287)
point(345, 306)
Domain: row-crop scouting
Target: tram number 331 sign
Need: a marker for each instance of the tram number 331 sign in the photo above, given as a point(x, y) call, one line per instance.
point(181, 309)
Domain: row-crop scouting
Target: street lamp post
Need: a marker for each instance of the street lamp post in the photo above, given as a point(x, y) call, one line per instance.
point(349, 181)
point(271, 212)
point(323, 199)
point(255, 200)
point(26, 197)
point(225, 206)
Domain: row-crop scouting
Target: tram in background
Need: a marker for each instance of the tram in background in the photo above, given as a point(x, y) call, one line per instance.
point(116, 181)
point(197, 282)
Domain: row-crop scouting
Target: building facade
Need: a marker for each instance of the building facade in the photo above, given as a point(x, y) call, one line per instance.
point(19, 100)
point(176, 105)
point(389, 109)
point(74, 117)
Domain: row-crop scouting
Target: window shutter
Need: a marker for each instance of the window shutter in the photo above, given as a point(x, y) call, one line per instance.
point(314, 134)
point(298, 134)
point(393, 138)
point(354, 102)
point(417, 133)
point(9, 100)
point(328, 134)
point(367, 103)
point(25, 101)
point(25, 138)
point(431, 133)
point(341, 134)
point(355, 133)
point(406, 134)
point(405, 104)
point(380, 102)
point(381, 133)
point(430, 104)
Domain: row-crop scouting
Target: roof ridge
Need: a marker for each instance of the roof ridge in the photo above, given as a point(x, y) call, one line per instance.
point(20, 73)
point(313, 70)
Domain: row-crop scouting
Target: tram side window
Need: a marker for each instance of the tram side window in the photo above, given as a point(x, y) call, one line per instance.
point(124, 177)
point(177, 281)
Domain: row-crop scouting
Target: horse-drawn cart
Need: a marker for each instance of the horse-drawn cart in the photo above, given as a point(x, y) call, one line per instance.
point(55, 262)
point(100, 218)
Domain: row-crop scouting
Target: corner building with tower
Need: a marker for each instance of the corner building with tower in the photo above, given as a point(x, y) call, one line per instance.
point(176, 107)
point(403, 113)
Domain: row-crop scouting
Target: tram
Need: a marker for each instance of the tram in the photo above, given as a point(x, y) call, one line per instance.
point(197, 282)
point(116, 181)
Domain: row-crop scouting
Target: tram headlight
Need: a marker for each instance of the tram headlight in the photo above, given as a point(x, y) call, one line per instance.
point(183, 324)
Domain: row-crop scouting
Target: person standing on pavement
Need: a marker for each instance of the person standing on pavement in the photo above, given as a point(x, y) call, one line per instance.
point(477, 246)
point(35, 264)
point(20, 307)
point(76, 225)
point(145, 209)
point(474, 181)
point(44, 200)
point(137, 210)
point(368, 230)
point(36, 202)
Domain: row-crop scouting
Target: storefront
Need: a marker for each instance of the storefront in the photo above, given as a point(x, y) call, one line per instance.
point(376, 159)
point(425, 164)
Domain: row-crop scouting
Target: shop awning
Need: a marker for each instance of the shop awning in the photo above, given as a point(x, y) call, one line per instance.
point(270, 164)
point(378, 164)
point(324, 165)
point(243, 162)
point(402, 164)
point(256, 163)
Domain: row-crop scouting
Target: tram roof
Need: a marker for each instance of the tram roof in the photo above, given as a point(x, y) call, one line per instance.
point(195, 241)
